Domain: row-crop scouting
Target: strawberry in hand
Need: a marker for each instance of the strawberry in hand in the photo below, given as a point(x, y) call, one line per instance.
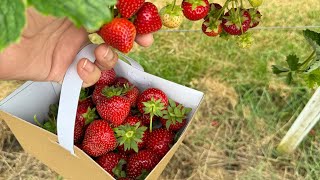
point(120, 33)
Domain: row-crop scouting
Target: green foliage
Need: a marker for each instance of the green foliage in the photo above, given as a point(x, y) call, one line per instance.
point(12, 21)
point(308, 69)
point(91, 14)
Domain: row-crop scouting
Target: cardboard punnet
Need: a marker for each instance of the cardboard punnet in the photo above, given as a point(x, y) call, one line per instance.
point(58, 151)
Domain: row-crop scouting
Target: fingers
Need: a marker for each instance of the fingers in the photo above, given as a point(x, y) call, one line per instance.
point(88, 72)
point(144, 40)
point(106, 57)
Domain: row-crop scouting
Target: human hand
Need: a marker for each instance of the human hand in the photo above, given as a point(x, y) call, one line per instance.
point(47, 48)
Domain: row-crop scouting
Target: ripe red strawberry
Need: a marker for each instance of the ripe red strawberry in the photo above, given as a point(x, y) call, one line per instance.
point(152, 101)
point(121, 81)
point(107, 77)
point(120, 33)
point(99, 139)
point(148, 19)
point(142, 162)
point(160, 141)
point(132, 94)
point(195, 9)
point(255, 17)
point(85, 115)
point(112, 163)
point(211, 28)
point(145, 119)
point(235, 25)
point(131, 137)
point(131, 120)
point(122, 155)
point(129, 8)
point(175, 116)
point(114, 109)
point(97, 94)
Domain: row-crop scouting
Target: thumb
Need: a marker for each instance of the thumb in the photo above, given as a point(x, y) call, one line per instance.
point(88, 72)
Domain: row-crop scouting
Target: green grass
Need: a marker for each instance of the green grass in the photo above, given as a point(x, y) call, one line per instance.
point(265, 103)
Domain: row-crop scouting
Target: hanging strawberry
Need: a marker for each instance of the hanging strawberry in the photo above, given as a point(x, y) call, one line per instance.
point(171, 15)
point(195, 9)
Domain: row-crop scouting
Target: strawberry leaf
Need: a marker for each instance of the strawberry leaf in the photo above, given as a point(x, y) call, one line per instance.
point(293, 62)
point(12, 18)
point(91, 14)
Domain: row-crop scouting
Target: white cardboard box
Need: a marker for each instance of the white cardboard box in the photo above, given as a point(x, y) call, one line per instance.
point(58, 152)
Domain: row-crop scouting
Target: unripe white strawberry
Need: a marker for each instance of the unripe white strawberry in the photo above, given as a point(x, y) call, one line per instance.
point(171, 16)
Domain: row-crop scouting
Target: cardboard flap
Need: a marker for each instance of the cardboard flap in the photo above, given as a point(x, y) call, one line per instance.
point(32, 98)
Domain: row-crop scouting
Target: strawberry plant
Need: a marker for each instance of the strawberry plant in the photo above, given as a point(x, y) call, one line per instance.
point(118, 22)
point(309, 69)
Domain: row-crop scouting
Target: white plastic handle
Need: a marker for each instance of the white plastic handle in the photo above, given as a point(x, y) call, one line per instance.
point(69, 97)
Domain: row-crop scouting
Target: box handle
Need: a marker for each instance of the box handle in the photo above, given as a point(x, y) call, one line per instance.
point(69, 97)
point(132, 62)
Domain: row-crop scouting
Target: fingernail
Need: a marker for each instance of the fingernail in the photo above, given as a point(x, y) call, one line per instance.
point(108, 54)
point(88, 66)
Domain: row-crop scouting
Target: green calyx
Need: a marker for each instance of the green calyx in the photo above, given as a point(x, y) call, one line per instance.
point(130, 136)
point(90, 115)
point(174, 113)
point(143, 175)
point(172, 10)
point(84, 94)
point(196, 3)
point(154, 108)
point(236, 18)
point(213, 24)
point(49, 125)
point(111, 91)
point(118, 170)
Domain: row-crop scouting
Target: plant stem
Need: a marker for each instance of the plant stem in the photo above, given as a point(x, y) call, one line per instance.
point(307, 61)
point(173, 5)
point(223, 8)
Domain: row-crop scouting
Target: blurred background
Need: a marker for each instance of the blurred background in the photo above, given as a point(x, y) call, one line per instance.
point(246, 112)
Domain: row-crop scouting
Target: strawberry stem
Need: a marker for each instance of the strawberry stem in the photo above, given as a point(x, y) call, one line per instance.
point(151, 117)
point(173, 5)
point(308, 60)
point(223, 8)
